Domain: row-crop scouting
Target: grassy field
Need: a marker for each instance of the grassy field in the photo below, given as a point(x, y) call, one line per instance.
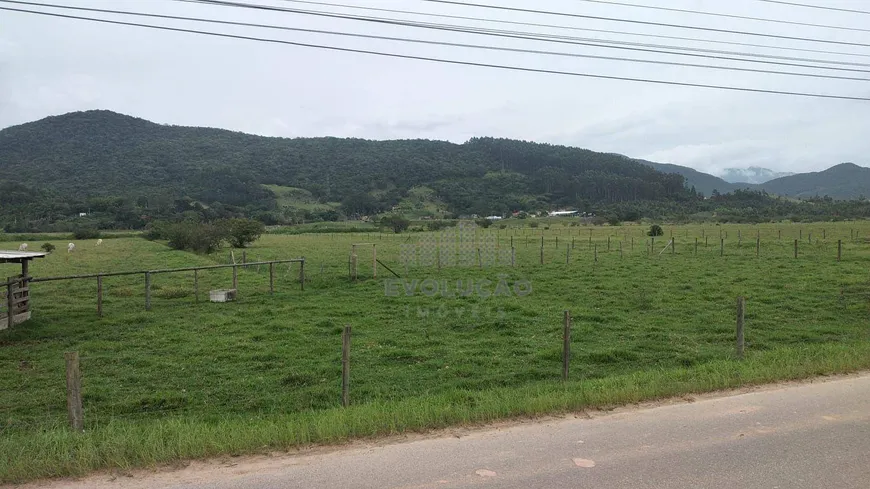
point(194, 379)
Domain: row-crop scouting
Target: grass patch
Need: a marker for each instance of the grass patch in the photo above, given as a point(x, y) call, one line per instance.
point(118, 443)
point(190, 379)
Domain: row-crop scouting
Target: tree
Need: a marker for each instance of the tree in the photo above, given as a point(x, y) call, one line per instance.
point(655, 230)
point(48, 247)
point(242, 232)
point(86, 232)
point(396, 223)
point(484, 223)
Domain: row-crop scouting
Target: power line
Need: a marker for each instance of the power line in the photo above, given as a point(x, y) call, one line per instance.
point(443, 60)
point(501, 33)
point(730, 16)
point(497, 33)
point(643, 22)
point(442, 43)
point(795, 4)
point(574, 28)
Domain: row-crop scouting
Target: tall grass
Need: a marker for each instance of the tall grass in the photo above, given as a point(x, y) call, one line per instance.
point(194, 379)
point(118, 443)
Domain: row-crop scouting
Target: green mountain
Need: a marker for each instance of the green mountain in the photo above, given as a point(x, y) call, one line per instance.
point(843, 181)
point(703, 182)
point(147, 168)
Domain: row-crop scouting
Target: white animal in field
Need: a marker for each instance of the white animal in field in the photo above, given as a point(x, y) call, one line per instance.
point(70, 247)
point(99, 242)
point(22, 247)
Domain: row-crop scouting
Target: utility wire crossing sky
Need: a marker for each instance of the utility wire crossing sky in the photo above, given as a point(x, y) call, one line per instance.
point(794, 96)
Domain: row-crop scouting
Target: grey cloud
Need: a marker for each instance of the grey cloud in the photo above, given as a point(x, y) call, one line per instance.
point(50, 66)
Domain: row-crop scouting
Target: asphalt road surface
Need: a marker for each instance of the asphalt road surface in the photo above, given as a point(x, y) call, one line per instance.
point(814, 435)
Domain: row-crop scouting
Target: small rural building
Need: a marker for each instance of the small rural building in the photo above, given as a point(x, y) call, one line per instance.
point(15, 289)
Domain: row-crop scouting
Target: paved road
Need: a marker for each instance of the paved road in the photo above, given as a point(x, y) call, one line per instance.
point(803, 436)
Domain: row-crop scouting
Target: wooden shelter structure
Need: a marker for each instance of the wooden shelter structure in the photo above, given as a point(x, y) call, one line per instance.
point(15, 300)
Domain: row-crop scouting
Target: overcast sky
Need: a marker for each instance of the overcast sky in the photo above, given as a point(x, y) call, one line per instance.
point(50, 66)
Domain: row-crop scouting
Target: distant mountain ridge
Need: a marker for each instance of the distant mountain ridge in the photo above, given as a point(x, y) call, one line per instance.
point(703, 182)
point(752, 174)
point(841, 182)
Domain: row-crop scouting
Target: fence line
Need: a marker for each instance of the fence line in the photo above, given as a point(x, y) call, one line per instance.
point(167, 270)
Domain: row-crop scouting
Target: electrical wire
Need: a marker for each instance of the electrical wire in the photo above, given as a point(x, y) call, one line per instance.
point(474, 31)
point(795, 4)
point(443, 60)
point(500, 33)
point(632, 21)
point(730, 16)
point(449, 44)
point(580, 29)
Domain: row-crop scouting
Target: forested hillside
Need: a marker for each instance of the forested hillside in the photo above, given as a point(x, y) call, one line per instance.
point(100, 161)
point(124, 172)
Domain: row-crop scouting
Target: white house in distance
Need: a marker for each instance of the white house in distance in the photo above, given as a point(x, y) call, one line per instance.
point(563, 213)
point(494, 218)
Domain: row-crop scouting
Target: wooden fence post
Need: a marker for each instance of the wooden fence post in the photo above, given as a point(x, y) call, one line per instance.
point(196, 285)
point(824, 234)
point(566, 346)
point(542, 255)
point(271, 278)
point(74, 392)
point(10, 305)
point(741, 305)
point(375, 261)
point(302, 274)
point(345, 367)
point(757, 247)
point(99, 296)
point(696, 246)
point(839, 249)
point(148, 290)
point(513, 257)
point(721, 246)
point(795, 248)
point(245, 258)
point(354, 270)
point(706, 242)
point(236, 278)
point(673, 245)
point(608, 244)
point(596, 252)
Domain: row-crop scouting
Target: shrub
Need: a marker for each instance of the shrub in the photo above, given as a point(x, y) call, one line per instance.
point(193, 236)
point(86, 233)
point(48, 247)
point(396, 223)
point(484, 223)
point(439, 225)
point(242, 232)
point(655, 230)
point(502, 226)
point(533, 224)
